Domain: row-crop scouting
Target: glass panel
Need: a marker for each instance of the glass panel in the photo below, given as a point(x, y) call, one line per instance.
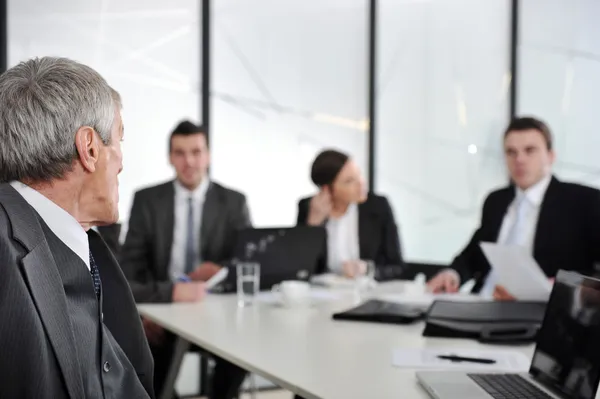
point(289, 79)
point(443, 80)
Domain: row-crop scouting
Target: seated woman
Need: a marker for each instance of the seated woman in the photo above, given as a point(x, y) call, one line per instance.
point(360, 225)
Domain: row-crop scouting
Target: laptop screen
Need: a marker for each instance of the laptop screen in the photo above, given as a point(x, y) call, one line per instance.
point(567, 354)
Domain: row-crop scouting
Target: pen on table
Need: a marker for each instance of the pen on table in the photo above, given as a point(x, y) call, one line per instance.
point(458, 359)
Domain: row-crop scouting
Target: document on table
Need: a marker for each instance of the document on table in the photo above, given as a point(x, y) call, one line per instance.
point(315, 296)
point(517, 271)
point(429, 358)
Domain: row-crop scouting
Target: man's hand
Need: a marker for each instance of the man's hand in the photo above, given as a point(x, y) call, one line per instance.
point(445, 281)
point(154, 332)
point(320, 207)
point(354, 268)
point(501, 294)
point(188, 292)
point(205, 271)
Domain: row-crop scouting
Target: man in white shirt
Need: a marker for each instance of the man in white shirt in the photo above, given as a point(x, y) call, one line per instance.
point(180, 234)
point(69, 327)
point(558, 222)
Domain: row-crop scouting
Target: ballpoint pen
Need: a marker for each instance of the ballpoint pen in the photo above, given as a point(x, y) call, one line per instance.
point(459, 359)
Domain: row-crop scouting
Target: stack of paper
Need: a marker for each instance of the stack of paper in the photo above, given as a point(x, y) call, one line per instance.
point(333, 281)
point(517, 271)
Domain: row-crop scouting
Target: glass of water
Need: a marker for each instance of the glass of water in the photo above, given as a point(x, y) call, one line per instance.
point(365, 275)
point(248, 278)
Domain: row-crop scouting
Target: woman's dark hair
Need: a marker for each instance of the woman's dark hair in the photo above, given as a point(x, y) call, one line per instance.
point(327, 166)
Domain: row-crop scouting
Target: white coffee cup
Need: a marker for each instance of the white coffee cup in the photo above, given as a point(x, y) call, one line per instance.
point(293, 293)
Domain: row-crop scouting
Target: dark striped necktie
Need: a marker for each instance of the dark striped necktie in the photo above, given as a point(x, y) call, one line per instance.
point(95, 275)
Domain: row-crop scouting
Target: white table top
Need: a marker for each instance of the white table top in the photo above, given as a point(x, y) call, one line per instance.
point(304, 350)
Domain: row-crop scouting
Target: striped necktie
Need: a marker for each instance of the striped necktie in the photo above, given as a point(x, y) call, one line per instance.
point(190, 245)
point(95, 276)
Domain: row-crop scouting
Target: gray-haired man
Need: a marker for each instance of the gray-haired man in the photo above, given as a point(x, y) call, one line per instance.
point(68, 323)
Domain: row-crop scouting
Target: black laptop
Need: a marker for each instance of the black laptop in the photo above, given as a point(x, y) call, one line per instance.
point(284, 253)
point(566, 362)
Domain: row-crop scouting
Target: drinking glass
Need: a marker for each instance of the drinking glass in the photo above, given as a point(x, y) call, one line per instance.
point(365, 275)
point(248, 278)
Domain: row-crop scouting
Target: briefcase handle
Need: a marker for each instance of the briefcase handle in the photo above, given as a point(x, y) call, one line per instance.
point(509, 334)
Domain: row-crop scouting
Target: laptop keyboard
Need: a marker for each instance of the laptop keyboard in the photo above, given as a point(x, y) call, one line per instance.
point(508, 386)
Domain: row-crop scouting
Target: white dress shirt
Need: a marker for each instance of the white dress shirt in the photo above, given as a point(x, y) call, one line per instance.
point(60, 222)
point(533, 196)
point(342, 239)
point(178, 249)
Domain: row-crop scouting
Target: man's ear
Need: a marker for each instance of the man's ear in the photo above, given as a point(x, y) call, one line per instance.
point(87, 143)
point(552, 156)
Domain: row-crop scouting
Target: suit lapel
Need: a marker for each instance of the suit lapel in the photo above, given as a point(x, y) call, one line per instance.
point(210, 216)
point(45, 285)
point(545, 217)
point(365, 230)
point(498, 212)
point(166, 225)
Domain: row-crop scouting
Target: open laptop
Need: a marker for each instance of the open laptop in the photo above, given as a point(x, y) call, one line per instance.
point(284, 253)
point(566, 362)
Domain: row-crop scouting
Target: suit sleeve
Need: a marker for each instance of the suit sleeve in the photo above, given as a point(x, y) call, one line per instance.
point(393, 264)
point(135, 256)
point(243, 220)
point(302, 213)
point(301, 220)
point(471, 262)
point(239, 220)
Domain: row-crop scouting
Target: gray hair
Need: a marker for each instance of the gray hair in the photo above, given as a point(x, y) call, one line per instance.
point(43, 102)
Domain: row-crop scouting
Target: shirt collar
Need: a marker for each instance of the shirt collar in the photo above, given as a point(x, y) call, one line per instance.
point(535, 194)
point(62, 223)
point(198, 194)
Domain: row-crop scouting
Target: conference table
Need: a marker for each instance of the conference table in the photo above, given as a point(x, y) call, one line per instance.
point(303, 349)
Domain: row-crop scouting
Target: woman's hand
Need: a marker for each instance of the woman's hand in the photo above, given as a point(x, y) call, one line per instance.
point(320, 207)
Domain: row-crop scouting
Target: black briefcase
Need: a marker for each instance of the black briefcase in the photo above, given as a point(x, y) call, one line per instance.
point(377, 311)
point(507, 322)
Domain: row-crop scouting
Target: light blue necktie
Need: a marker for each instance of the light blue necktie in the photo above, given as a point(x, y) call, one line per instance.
point(190, 247)
point(516, 236)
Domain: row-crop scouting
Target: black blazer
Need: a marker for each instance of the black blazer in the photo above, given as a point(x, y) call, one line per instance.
point(110, 234)
point(378, 236)
point(567, 235)
point(37, 342)
point(146, 253)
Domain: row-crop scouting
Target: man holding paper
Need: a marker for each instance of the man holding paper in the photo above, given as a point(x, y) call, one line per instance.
point(559, 223)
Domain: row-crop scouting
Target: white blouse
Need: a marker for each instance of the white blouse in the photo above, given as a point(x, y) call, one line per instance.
point(342, 239)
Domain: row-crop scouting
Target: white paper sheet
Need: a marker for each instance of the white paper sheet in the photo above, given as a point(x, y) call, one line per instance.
point(517, 271)
point(506, 360)
point(217, 278)
point(332, 280)
point(316, 296)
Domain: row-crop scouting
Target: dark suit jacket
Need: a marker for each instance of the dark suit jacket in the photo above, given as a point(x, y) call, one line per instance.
point(110, 234)
point(567, 235)
point(38, 358)
point(146, 254)
point(378, 236)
